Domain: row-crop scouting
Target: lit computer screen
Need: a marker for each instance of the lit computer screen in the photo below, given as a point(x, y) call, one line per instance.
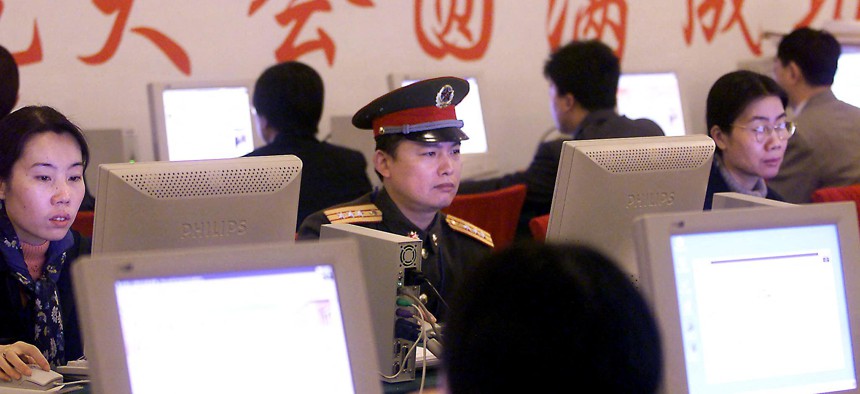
point(754, 299)
point(654, 96)
point(846, 83)
point(203, 120)
point(602, 185)
point(178, 204)
point(294, 316)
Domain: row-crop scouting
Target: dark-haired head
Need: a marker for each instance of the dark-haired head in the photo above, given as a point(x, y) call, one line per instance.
point(8, 82)
point(533, 303)
point(816, 53)
point(290, 97)
point(20, 126)
point(587, 69)
point(732, 93)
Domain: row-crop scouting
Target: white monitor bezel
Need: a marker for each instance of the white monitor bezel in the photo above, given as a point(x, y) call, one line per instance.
point(155, 91)
point(95, 276)
point(652, 236)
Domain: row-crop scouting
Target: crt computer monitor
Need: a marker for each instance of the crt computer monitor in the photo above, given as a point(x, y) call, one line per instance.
point(476, 156)
point(731, 200)
point(654, 96)
point(846, 83)
point(283, 317)
point(177, 204)
point(197, 120)
point(755, 299)
point(602, 185)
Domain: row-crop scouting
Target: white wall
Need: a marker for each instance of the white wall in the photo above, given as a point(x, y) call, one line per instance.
point(224, 42)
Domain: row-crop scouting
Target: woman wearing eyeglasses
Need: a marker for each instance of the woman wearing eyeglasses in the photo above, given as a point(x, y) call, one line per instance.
point(746, 118)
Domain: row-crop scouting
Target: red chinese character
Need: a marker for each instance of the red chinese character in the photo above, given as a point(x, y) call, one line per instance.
point(604, 20)
point(33, 54)
point(122, 8)
point(455, 27)
point(815, 8)
point(709, 13)
point(298, 15)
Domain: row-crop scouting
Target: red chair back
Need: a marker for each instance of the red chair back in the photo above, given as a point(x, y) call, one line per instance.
point(497, 212)
point(538, 226)
point(839, 193)
point(84, 223)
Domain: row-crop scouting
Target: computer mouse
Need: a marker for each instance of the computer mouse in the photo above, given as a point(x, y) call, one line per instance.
point(39, 380)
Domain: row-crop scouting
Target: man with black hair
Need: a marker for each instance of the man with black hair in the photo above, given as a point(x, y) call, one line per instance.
point(8, 82)
point(288, 98)
point(583, 83)
point(417, 157)
point(825, 150)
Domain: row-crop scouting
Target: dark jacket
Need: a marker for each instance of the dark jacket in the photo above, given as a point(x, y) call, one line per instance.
point(330, 174)
point(448, 254)
point(717, 184)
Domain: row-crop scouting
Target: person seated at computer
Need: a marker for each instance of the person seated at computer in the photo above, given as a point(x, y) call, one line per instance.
point(583, 81)
point(8, 82)
point(42, 160)
point(747, 120)
point(418, 161)
point(288, 98)
point(542, 317)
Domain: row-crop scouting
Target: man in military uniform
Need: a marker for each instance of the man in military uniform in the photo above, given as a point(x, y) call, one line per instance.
point(418, 160)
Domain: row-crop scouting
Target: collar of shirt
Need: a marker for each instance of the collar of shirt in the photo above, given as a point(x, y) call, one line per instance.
point(594, 118)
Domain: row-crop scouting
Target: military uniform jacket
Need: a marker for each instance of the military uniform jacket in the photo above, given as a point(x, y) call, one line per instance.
point(451, 247)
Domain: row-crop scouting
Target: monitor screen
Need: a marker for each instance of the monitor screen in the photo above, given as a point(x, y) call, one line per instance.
point(846, 83)
point(602, 185)
point(294, 318)
point(163, 205)
point(754, 299)
point(654, 96)
point(203, 120)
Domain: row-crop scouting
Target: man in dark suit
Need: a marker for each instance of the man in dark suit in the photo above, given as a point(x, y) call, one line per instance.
point(825, 150)
point(288, 98)
point(583, 81)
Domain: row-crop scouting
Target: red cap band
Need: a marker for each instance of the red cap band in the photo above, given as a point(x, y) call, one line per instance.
point(413, 116)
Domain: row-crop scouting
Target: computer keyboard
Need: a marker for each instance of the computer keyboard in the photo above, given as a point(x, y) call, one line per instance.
point(75, 367)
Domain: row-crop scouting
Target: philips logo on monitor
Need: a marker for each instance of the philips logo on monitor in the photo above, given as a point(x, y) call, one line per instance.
point(214, 229)
point(650, 200)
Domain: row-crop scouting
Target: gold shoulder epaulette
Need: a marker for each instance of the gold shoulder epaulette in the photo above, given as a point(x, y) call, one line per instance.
point(469, 229)
point(367, 213)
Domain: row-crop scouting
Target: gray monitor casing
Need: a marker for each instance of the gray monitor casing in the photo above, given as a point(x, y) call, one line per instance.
point(384, 257)
point(165, 205)
point(602, 185)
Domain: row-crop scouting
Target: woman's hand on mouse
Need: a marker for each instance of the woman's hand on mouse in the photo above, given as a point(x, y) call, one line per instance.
point(14, 360)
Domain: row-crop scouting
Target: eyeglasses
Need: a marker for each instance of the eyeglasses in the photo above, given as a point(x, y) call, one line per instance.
point(783, 130)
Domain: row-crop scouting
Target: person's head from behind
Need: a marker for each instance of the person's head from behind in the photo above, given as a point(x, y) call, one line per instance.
point(807, 56)
point(747, 120)
point(288, 99)
point(9, 82)
point(418, 142)
point(583, 77)
point(529, 305)
point(42, 161)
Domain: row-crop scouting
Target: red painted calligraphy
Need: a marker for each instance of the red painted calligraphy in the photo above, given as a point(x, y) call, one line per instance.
point(604, 20)
point(709, 14)
point(461, 28)
point(33, 53)
point(296, 15)
point(815, 7)
point(122, 9)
